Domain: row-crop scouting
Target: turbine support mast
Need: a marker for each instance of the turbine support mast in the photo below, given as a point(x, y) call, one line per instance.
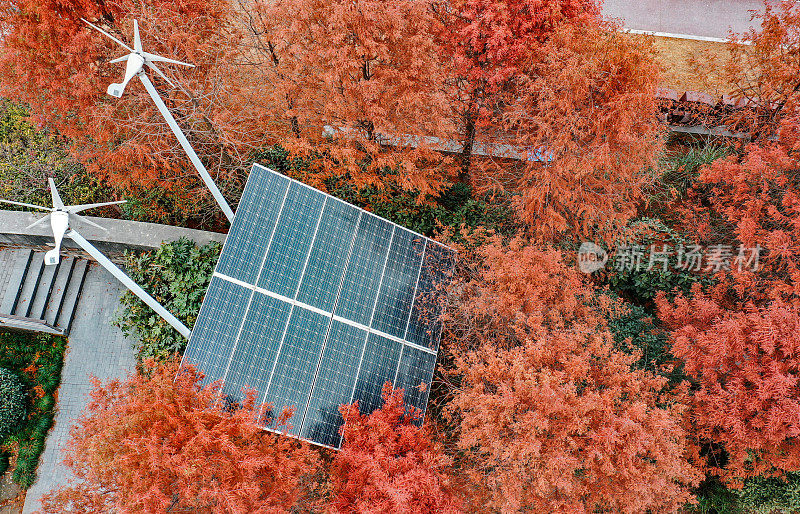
point(198, 164)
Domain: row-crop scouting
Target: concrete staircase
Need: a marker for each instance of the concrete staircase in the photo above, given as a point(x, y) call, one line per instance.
point(43, 298)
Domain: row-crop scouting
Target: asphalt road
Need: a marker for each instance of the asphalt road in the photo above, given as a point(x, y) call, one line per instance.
point(714, 18)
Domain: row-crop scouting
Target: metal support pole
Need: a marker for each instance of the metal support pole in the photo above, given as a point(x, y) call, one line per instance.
point(223, 204)
point(130, 284)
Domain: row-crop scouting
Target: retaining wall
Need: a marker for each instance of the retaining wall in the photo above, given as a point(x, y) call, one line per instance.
point(122, 234)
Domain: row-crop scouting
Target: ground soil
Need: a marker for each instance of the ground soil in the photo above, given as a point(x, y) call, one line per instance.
point(12, 497)
point(674, 55)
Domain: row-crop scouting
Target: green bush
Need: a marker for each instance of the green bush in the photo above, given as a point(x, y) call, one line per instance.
point(45, 403)
point(21, 353)
point(27, 461)
point(28, 156)
point(177, 275)
point(715, 498)
point(12, 402)
point(156, 204)
point(676, 174)
point(765, 495)
point(680, 167)
point(633, 280)
point(634, 329)
point(4, 460)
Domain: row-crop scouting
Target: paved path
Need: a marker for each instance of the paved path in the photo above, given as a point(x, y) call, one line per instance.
point(709, 18)
point(96, 348)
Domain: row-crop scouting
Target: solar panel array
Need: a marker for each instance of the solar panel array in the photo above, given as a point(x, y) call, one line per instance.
point(316, 303)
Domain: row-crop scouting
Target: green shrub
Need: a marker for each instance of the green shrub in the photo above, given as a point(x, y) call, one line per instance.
point(4, 460)
point(43, 353)
point(154, 203)
point(765, 495)
point(677, 172)
point(29, 155)
point(27, 461)
point(634, 329)
point(715, 498)
point(12, 402)
point(680, 167)
point(632, 279)
point(177, 275)
point(45, 403)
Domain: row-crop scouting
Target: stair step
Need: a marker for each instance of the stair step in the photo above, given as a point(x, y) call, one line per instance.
point(60, 285)
point(14, 290)
point(42, 296)
point(28, 291)
point(73, 294)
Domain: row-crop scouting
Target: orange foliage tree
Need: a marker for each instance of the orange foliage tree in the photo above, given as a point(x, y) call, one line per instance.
point(56, 64)
point(366, 74)
point(762, 70)
point(157, 443)
point(488, 40)
point(549, 415)
point(746, 367)
point(753, 200)
point(585, 106)
point(388, 464)
point(739, 341)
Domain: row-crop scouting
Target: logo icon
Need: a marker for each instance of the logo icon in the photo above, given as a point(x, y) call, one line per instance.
point(591, 257)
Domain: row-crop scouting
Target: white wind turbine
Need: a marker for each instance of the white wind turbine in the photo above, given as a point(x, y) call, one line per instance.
point(137, 59)
point(60, 221)
point(59, 218)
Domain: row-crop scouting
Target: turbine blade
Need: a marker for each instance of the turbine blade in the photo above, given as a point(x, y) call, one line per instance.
point(109, 36)
point(158, 58)
point(54, 193)
point(37, 222)
point(155, 69)
point(78, 208)
point(22, 204)
point(137, 42)
point(89, 222)
point(119, 59)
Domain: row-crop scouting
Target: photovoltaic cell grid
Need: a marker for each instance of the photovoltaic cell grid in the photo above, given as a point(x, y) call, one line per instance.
point(316, 303)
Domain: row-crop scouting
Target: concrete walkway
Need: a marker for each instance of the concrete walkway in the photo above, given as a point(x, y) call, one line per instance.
point(705, 18)
point(95, 348)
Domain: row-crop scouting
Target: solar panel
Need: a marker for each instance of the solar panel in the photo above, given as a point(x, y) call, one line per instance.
point(315, 303)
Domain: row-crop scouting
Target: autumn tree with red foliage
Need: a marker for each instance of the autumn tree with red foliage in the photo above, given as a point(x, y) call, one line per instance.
point(585, 106)
point(488, 41)
point(157, 443)
point(745, 365)
point(753, 199)
point(739, 341)
point(388, 464)
point(363, 73)
point(549, 415)
point(761, 69)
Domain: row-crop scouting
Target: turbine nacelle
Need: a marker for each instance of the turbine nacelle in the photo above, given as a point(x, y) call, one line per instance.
point(132, 68)
point(59, 222)
point(60, 216)
point(137, 59)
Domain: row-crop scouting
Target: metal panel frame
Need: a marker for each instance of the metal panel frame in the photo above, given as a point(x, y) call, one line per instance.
point(295, 303)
